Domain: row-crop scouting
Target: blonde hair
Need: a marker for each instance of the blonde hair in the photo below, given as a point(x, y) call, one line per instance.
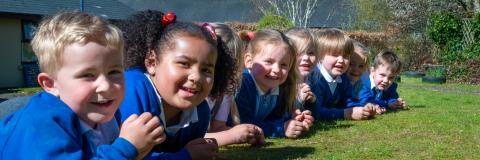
point(288, 89)
point(365, 51)
point(302, 39)
point(63, 29)
point(334, 40)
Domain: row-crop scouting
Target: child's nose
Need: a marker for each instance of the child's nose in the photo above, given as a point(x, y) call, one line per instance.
point(103, 84)
point(194, 75)
point(276, 68)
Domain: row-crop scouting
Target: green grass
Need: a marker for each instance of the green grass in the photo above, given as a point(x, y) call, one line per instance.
point(31, 90)
point(443, 122)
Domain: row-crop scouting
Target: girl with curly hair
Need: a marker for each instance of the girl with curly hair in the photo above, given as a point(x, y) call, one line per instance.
point(172, 67)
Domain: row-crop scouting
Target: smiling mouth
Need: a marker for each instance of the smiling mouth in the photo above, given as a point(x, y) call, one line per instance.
point(273, 77)
point(189, 91)
point(103, 103)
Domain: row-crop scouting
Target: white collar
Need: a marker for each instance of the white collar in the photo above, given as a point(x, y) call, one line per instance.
point(187, 116)
point(327, 75)
point(275, 91)
point(372, 83)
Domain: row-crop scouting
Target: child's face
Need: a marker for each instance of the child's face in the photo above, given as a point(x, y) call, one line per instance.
point(335, 63)
point(357, 66)
point(270, 67)
point(91, 81)
point(183, 75)
point(306, 62)
point(383, 76)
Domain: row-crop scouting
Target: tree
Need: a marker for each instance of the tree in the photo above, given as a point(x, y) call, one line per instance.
point(298, 12)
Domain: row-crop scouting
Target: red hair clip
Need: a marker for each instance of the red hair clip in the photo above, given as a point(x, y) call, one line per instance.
point(209, 28)
point(168, 18)
point(251, 35)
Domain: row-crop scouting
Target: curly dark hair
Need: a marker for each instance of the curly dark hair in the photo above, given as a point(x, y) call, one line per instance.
point(143, 32)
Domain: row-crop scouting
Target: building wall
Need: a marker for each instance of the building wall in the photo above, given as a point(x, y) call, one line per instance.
point(10, 53)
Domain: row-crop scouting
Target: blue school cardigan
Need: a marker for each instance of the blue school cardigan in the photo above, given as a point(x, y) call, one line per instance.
point(48, 129)
point(370, 95)
point(330, 106)
point(246, 100)
point(140, 96)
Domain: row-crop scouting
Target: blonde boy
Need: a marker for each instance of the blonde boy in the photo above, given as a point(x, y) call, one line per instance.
point(80, 58)
point(329, 83)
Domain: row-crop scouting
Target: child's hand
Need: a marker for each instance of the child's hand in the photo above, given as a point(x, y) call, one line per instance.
point(305, 117)
point(293, 128)
point(376, 108)
point(305, 94)
point(143, 132)
point(247, 133)
point(358, 113)
point(202, 148)
point(398, 104)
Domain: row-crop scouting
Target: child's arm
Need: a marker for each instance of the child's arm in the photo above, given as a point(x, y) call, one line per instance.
point(242, 133)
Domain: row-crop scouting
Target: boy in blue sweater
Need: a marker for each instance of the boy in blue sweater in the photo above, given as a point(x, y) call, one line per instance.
point(379, 87)
point(329, 83)
point(80, 57)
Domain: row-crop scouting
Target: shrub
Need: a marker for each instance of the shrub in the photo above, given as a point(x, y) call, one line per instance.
point(272, 21)
point(444, 29)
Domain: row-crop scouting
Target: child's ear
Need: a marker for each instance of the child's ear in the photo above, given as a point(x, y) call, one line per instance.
point(248, 60)
point(47, 82)
point(150, 62)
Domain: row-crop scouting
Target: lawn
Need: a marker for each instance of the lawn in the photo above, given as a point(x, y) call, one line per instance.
point(443, 122)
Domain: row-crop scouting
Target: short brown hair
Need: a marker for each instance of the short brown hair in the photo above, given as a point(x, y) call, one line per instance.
point(63, 29)
point(389, 58)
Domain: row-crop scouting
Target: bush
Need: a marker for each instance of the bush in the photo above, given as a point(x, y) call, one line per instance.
point(272, 21)
point(445, 29)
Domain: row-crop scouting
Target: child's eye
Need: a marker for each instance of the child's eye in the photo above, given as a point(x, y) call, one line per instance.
point(115, 72)
point(87, 75)
point(310, 53)
point(208, 71)
point(183, 64)
point(268, 62)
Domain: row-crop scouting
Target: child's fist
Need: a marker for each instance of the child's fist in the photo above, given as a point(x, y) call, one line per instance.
point(305, 94)
point(359, 113)
point(398, 104)
point(143, 132)
point(293, 128)
point(248, 133)
point(202, 148)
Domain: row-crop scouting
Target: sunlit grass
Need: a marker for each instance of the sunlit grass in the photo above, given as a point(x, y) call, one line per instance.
point(443, 122)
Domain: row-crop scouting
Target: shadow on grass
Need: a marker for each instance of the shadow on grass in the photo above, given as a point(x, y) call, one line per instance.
point(244, 152)
point(325, 126)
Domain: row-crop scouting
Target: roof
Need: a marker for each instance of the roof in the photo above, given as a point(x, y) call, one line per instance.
point(110, 9)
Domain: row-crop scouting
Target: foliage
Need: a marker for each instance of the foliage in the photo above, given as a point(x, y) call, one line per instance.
point(430, 129)
point(435, 71)
point(272, 21)
point(445, 28)
point(372, 15)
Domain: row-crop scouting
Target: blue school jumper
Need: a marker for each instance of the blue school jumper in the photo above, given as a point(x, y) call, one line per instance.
point(369, 94)
point(46, 128)
point(249, 101)
point(329, 106)
point(141, 96)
